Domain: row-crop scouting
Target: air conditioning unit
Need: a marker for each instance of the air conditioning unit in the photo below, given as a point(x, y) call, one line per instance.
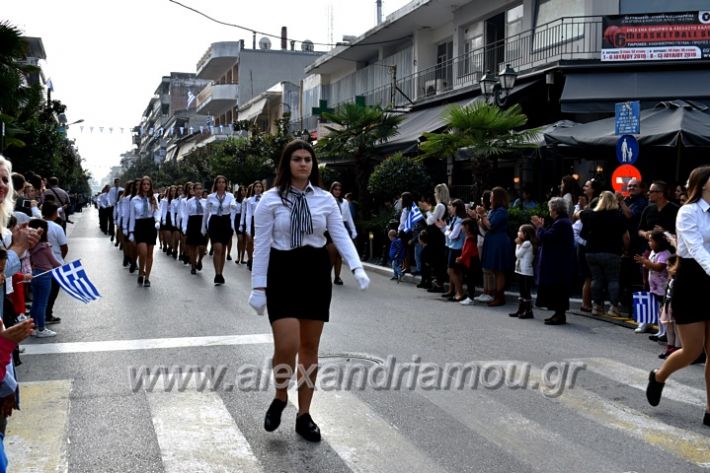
point(441, 85)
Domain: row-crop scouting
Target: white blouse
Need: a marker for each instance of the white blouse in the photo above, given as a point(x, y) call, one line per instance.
point(213, 206)
point(347, 218)
point(273, 229)
point(524, 258)
point(692, 228)
point(139, 210)
point(190, 209)
point(248, 209)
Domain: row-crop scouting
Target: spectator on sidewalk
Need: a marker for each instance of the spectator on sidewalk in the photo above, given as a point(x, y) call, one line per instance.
point(497, 254)
point(396, 255)
point(58, 239)
point(62, 199)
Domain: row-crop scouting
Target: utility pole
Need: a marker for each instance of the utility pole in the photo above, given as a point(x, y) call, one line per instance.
point(393, 88)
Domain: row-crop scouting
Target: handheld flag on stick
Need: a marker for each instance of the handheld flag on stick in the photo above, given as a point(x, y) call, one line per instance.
point(73, 279)
point(413, 217)
point(645, 308)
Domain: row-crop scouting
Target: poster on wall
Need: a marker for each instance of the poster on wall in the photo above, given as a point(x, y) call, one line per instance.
point(656, 37)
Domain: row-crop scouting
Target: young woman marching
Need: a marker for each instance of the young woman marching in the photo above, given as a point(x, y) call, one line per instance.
point(290, 221)
point(174, 211)
point(248, 218)
point(217, 223)
point(336, 189)
point(129, 248)
point(143, 226)
point(182, 218)
point(238, 211)
point(166, 221)
point(193, 211)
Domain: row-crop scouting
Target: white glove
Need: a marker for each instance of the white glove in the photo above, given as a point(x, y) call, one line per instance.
point(157, 225)
point(361, 278)
point(131, 238)
point(257, 299)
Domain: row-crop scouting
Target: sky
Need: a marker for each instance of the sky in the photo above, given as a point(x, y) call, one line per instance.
point(105, 58)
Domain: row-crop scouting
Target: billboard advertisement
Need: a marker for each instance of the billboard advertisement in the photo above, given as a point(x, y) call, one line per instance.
point(656, 37)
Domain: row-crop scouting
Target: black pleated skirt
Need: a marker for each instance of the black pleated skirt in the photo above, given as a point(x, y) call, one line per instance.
point(168, 226)
point(220, 229)
point(690, 291)
point(144, 231)
point(298, 284)
point(194, 235)
point(237, 223)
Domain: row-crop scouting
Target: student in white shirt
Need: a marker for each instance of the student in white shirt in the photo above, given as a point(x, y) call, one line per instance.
point(254, 193)
point(174, 211)
point(182, 221)
point(690, 287)
point(193, 211)
point(336, 189)
point(239, 197)
point(291, 274)
point(130, 253)
point(217, 223)
point(166, 221)
point(143, 225)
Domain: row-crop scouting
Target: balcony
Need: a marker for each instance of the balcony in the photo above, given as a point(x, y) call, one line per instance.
point(217, 60)
point(216, 99)
point(575, 38)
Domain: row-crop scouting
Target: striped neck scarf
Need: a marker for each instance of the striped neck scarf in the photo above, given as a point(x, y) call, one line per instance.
point(146, 207)
point(301, 220)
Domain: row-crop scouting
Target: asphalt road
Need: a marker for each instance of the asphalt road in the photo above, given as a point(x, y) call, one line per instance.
point(84, 409)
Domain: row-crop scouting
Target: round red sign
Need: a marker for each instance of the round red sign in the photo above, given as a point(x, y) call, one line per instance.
point(621, 177)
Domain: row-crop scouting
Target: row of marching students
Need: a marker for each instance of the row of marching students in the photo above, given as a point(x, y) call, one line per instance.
point(185, 218)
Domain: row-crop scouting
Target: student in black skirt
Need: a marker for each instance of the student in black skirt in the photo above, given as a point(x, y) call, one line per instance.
point(690, 287)
point(217, 223)
point(237, 225)
point(291, 275)
point(143, 226)
point(193, 214)
point(166, 221)
point(257, 188)
point(182, 221)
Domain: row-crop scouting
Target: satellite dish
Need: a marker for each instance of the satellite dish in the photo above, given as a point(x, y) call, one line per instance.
point(264, 43)
point(307, 46)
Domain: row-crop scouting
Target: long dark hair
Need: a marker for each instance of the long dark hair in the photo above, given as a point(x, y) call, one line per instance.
point(283, 173)
point(214, 184)
point(698, 177)
point(333, 186)
point(151, 192)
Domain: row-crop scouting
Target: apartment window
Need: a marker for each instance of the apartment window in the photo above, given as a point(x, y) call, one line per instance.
point(444, 52)
point(473, 52)
point(555, 25)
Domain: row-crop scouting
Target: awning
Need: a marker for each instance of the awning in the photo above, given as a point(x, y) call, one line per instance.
point(252, 111)
point(598, 92)
point(420, 121)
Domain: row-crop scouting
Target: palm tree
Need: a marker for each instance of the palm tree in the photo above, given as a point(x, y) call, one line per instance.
point(483, 130)
point(354, 133)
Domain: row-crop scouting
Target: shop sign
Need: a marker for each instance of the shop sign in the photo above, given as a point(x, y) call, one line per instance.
point(656, 37)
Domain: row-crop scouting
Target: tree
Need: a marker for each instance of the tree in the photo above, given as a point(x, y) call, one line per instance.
point(355, 132)
point(398, 174)
point(482, 130)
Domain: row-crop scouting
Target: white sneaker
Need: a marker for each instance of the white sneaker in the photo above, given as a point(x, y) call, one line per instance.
point(467, 301)
point(46, 333)
point(484, 298)
point(33, 333)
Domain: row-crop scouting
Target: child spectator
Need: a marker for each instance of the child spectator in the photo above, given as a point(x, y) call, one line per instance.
point(43, 261)
point(656, 264)
point(396, 255)
point(469, 259)
point(525, 245)
point(666, 318)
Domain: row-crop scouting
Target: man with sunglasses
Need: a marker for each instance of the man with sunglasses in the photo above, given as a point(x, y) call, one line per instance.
point(660, 213)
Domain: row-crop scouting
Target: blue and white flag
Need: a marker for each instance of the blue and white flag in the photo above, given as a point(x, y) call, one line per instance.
point(413, 217)
point(645, 308)
point(73, 279)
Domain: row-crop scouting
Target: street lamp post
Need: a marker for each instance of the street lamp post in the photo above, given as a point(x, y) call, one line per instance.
point(496, 89)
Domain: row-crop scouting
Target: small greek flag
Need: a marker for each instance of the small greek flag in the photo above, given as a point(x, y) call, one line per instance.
point(73, 279)
point(645, 308)
point(413, 217)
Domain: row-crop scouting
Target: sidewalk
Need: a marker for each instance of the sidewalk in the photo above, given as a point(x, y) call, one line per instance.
point(621, 321)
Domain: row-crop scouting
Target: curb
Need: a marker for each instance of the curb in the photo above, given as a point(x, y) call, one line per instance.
point(620, 321)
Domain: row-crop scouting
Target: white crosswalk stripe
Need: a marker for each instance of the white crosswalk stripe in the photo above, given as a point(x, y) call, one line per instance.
point(196, 432)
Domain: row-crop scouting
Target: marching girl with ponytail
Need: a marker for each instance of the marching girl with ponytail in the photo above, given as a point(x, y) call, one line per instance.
point(129, 247)
point(143, 228)
point(257, 188)
point(291, 275)
point(166, 221)
point(217, 223)
point(193, 212)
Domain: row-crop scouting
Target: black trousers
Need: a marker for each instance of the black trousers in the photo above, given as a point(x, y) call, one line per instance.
point(109, 216)
point(103, 223)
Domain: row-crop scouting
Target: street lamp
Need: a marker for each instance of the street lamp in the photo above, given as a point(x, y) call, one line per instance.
point(496, 89)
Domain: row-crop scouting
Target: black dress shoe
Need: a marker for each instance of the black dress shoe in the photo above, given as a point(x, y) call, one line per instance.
point(338, 282)
point(229, 257)
point(50, 319)
point(133, 268)
point(272, 420)
point(656, 338)
point(557, 319)
point(654, 389)
point(435, 289)
point(140, 280)
point(199, 266)
point(306, 428)
point(706, 419)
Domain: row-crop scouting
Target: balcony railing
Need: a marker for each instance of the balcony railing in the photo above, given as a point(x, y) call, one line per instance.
point(572, 38)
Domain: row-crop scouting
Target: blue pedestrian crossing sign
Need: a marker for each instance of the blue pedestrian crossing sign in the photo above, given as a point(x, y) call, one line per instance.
point(627, 149)
point(627, 118)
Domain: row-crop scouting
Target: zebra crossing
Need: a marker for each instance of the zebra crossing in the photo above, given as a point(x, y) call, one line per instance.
point(202, 432)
